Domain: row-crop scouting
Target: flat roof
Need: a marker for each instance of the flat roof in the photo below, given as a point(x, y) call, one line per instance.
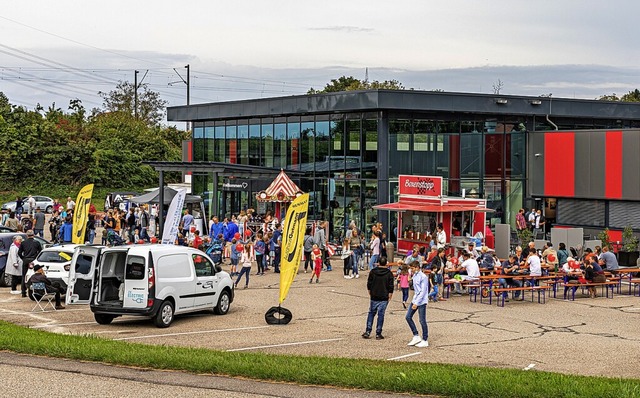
point(223, 169)
point(405, 100)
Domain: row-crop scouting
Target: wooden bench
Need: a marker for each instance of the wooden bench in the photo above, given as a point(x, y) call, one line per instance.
point(635, 282)
point(541, 290)
point(606, 286)
point(450, 282)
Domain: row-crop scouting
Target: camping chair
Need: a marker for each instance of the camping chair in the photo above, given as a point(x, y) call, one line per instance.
point(41, 295)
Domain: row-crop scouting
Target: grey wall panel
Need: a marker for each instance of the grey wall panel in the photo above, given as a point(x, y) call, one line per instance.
point(591, 244)
point(582, 150)
point(535, 164)
point(558, 235)
point(597, 164)
point(575, 237)
point(631, 164)
point(503, 240)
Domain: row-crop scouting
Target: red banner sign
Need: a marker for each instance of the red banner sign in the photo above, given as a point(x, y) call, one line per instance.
point(420, 185)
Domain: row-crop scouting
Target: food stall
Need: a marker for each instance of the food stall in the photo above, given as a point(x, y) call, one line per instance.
point(422, 206)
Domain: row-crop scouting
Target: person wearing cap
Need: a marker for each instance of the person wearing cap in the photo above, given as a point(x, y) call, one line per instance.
point(29, 250)
point(38, 225)
point(40, 276)
point(471, 249)
point(419, 305)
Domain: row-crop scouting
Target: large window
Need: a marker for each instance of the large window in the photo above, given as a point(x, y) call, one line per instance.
point(254, 144)
point(293, 142)
point(267, 144)
point(219, 145)
point(370, 148)
point(399, 147)
point(198, 143)
point(423, 146)
point(243, 142)
point(280, 144)
point(307, 144)
point(337, 148)
point(322, 141)
point(231, 150)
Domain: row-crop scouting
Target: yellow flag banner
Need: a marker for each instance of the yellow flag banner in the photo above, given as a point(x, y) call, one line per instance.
point(295, 224)
point(81, 214)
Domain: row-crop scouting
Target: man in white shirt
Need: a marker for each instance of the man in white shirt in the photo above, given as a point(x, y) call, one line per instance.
point(533, 261)
point(532, 220)
point(441, 237)
point(469, 270)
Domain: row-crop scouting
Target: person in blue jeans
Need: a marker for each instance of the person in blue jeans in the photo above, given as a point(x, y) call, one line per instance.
point(419, 305)
point(375, 249)
point(380, 287)
point(510, 267)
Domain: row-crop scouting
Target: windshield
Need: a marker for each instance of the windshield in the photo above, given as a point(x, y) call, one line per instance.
point(54, 257)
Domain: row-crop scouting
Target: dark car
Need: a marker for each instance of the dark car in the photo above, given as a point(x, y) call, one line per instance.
point(6, 239)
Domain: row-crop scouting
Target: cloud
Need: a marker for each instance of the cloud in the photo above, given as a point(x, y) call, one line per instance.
point(342, 28)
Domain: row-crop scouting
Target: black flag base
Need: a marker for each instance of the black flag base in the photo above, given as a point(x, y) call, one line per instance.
point(278, 316)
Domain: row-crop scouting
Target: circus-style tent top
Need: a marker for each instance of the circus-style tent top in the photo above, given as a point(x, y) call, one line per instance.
point(282, 189)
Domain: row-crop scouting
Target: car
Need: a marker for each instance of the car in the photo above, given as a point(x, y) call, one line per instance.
point(45, 203)
point(56, 261)
point(6, 239)
point(155, 281)
point(6, 229)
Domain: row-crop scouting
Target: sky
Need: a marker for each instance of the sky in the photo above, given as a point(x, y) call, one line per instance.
point(52, 52)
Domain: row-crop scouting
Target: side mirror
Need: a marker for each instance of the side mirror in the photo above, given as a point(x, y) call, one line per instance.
point(218, 268)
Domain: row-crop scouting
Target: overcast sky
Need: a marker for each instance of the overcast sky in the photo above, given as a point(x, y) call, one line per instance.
point(56, 51)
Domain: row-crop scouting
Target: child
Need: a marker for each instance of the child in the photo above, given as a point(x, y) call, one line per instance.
point(245, 261)
point(346, 258)
point(260, 248)
point(433, 295)
point(104, 237)
point(316, 254)
point(403, 281)
point(234, 256)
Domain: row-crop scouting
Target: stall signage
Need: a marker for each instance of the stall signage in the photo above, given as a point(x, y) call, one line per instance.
point(420, 185)
point(236, 185)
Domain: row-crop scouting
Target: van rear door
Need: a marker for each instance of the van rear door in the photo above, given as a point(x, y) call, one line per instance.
point(82, 274)
point(136, 282)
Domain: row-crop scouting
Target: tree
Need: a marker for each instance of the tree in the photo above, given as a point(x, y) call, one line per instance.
point(350, 83)
point(631, 96)
point(150, 108)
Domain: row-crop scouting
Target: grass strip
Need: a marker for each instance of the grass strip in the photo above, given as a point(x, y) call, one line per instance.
point(407, 377)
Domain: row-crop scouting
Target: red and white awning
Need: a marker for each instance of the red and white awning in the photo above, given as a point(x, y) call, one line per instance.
point(282, 189)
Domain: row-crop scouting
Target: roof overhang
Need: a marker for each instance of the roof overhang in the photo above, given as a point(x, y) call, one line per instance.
point(223, 169)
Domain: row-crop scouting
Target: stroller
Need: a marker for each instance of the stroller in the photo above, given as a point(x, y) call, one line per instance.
point(113, 239)
point(215, 252)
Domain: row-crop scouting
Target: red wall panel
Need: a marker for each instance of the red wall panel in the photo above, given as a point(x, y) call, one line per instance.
point(559, 164)
point(613, 165)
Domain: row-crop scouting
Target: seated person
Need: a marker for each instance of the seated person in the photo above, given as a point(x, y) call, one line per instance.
point(511, 267)
point(468, 270)
point(550, 255)
point(472, 250)
point(485, 260)
point(39, 276)
point(572, 270)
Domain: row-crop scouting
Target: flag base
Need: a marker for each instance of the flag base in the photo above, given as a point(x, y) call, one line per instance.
point(278, 316)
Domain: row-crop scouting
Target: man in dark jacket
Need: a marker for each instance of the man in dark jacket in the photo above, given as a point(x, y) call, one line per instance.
point(29, 250)
point(380, 286)
point(40, 276)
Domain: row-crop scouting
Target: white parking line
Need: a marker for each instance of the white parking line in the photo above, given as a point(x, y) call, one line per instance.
point(283, 345)
point(187, 333)
point(404, 356)
point(64, 324)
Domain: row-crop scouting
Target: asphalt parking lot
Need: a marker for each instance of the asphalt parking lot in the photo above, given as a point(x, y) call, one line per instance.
point(589, 336)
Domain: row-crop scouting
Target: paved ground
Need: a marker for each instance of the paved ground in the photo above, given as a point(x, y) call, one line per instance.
point(589, 336)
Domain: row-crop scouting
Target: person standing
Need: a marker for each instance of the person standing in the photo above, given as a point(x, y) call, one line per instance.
point(307, 248)
point(380, 287)
point(19, 207)
point(521, 223)
point(14, 264)
point(12, 222)
point(144, 223)
point(320, 239)
point(316, 254)
point(375, 249)
point(245, 261)
point(441, 237)
point(276, 246)
point(71, 205)
point(31, 201)
point(419, 305)
point(66, 230)
point(187, 220)
point(29, 250)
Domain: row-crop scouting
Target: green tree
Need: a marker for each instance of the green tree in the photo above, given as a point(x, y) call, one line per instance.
point(150, 108)
point(631, 96)
point(350, 83)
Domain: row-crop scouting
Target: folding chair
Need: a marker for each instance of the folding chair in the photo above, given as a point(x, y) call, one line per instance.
point(41, 295)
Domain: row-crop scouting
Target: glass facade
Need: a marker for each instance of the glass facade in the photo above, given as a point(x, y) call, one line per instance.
point(340, 156)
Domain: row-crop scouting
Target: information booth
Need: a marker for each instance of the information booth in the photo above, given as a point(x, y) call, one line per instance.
point(422, 206)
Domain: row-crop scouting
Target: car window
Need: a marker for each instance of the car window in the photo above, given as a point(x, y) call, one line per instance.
point(135, 268)
point(203, 265)
point(83, 264)
point(54, 256)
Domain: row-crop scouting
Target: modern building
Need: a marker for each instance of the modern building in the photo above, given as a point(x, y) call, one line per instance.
point(351, 147)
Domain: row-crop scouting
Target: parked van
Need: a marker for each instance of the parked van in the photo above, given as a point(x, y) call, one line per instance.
point(157, 281)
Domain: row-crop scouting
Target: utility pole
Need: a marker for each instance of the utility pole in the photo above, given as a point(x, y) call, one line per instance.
point(188, 94)
point(135, 95)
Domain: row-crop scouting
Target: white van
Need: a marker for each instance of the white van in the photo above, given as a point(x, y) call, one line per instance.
point(157, 281)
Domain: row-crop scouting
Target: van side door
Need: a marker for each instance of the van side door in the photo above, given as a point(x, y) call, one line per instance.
point(175, 276)
point(136, 282)
point(206, 295)
point(82, 274)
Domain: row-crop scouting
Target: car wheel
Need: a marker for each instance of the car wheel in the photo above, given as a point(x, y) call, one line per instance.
point(164, 317)
point(103, 319)
point(223, 303)
point(49, 209)
point(6, 279)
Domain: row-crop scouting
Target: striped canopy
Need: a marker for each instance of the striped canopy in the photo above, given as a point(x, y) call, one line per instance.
point(282, 189)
